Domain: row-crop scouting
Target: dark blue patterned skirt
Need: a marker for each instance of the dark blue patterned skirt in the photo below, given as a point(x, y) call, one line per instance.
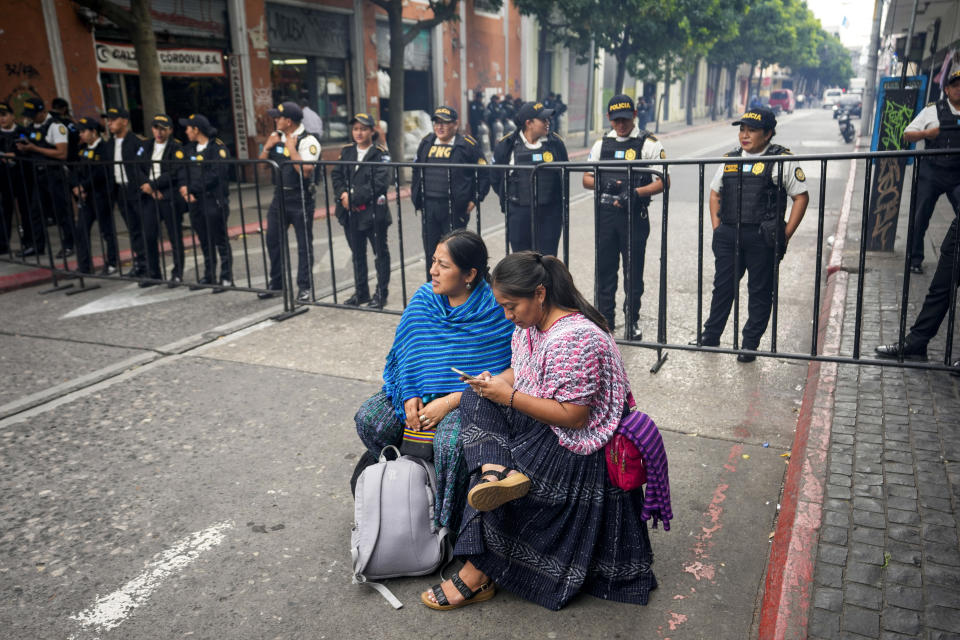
point(572, 532)
point(378, 426)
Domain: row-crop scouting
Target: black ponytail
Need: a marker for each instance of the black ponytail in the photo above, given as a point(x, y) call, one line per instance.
point(519, 274)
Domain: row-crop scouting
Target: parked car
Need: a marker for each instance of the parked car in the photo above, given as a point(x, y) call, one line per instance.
point(783, 99)
point(830, 97)
point(850, 103)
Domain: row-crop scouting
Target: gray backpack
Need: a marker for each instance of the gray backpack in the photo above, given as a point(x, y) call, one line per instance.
point(393, 531)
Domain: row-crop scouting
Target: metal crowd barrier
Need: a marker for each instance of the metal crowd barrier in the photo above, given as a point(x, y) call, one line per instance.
point(869, 161)
point(45, 190)
point(328, 293)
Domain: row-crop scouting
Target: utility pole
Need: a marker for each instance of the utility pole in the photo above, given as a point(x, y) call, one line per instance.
point(870, 89)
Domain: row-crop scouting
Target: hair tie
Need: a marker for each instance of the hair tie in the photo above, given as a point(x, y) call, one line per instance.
point(538, 257)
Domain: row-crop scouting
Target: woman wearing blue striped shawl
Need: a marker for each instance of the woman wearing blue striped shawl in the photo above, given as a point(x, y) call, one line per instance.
point(451, 321)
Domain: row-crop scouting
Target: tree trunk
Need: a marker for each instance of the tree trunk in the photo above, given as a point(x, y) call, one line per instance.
point(692, 82)
point(542, 71)
point(666, 94)
point(145, 47)
point(621, 73)
point(760, 79)
point(732, 91)
point(395, 121)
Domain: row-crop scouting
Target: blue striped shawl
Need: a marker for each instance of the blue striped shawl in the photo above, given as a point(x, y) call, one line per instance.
point(433, 336)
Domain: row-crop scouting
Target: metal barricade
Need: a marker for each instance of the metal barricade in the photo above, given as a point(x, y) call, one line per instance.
point(663, 341)
point(223, 226)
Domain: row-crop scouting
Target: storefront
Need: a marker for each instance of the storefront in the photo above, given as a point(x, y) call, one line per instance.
point(194, 81)
point(310, 61)
point(417, 70)
point(191, 41)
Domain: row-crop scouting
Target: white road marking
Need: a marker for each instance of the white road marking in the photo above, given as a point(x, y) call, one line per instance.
point(131, 296)
point(111, 610)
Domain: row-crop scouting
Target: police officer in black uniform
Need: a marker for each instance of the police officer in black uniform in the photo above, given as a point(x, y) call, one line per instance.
point(939, 125)
point(296, 150)
point(361, 192)
point(476, 114)
point(531, 144)
point(206, 188)
point(12, 190)
point(164, 204)
point(750, 195)
point(129, 167)
point(446, 197)
point(47, 142)
point(60, 110)
point(616, 236)
point(92, 186)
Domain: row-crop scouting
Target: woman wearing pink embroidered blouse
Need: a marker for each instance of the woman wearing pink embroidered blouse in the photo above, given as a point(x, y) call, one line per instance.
point(543, 520)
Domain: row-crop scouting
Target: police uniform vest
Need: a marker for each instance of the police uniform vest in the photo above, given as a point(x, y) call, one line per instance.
point(289, 170)
point(520, 183)
point(37, 134)
point(435, 183)
point(196, 171)
point(761, 198)
point(8, 139)
point(613, 149)
point(949, 138)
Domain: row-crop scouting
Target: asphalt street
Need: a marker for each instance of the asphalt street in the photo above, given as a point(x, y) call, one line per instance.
point(177, 463)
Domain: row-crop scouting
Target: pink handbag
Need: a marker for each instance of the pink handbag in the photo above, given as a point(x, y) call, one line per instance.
point(624, 462)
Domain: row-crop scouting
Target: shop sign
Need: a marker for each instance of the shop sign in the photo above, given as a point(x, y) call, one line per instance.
point(239, 114)
point(307, 31)
point(121, 58)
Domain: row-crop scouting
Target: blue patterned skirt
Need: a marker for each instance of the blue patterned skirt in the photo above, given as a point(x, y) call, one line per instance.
point(572, 532)
point(378, 426)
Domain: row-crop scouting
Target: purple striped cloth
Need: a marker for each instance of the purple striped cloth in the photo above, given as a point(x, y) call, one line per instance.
point(643, 433)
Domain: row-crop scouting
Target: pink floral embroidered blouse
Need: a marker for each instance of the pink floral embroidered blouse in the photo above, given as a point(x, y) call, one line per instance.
point(573, 361)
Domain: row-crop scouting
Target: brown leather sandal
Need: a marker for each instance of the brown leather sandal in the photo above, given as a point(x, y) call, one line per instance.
point(488, 494)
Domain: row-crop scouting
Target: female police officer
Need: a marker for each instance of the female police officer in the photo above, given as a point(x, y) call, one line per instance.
point(531, 144)
point(751, 196)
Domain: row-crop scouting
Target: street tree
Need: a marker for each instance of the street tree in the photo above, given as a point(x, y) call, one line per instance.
point(401, 35)
point(138, 24)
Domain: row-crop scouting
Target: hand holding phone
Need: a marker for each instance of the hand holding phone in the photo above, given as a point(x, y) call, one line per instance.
point(466, 376)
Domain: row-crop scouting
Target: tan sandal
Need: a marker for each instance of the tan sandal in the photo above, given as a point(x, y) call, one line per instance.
point(488, 494)
point(484, 593)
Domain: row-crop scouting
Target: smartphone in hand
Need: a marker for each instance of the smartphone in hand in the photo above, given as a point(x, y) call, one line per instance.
point(466, 376)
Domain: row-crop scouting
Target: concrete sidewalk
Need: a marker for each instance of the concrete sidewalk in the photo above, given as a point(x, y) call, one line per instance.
point(867, 540)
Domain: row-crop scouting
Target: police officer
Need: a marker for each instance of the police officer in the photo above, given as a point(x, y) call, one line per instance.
point(531, 144)
point(476, 114)
point(361, 192)
point(296, 150)
point(750, 195)
point(616, 235)
point(935, 305)
point(938, 124)
point(12, 190)
point(492, 116)
point(128, 174)
point(164, 204)
point(47, 142)
point(92, 186)
point(206, 188)
point(60, 110)
point(446, 198)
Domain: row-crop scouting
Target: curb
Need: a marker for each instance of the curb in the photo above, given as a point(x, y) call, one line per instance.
point(785, 608)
